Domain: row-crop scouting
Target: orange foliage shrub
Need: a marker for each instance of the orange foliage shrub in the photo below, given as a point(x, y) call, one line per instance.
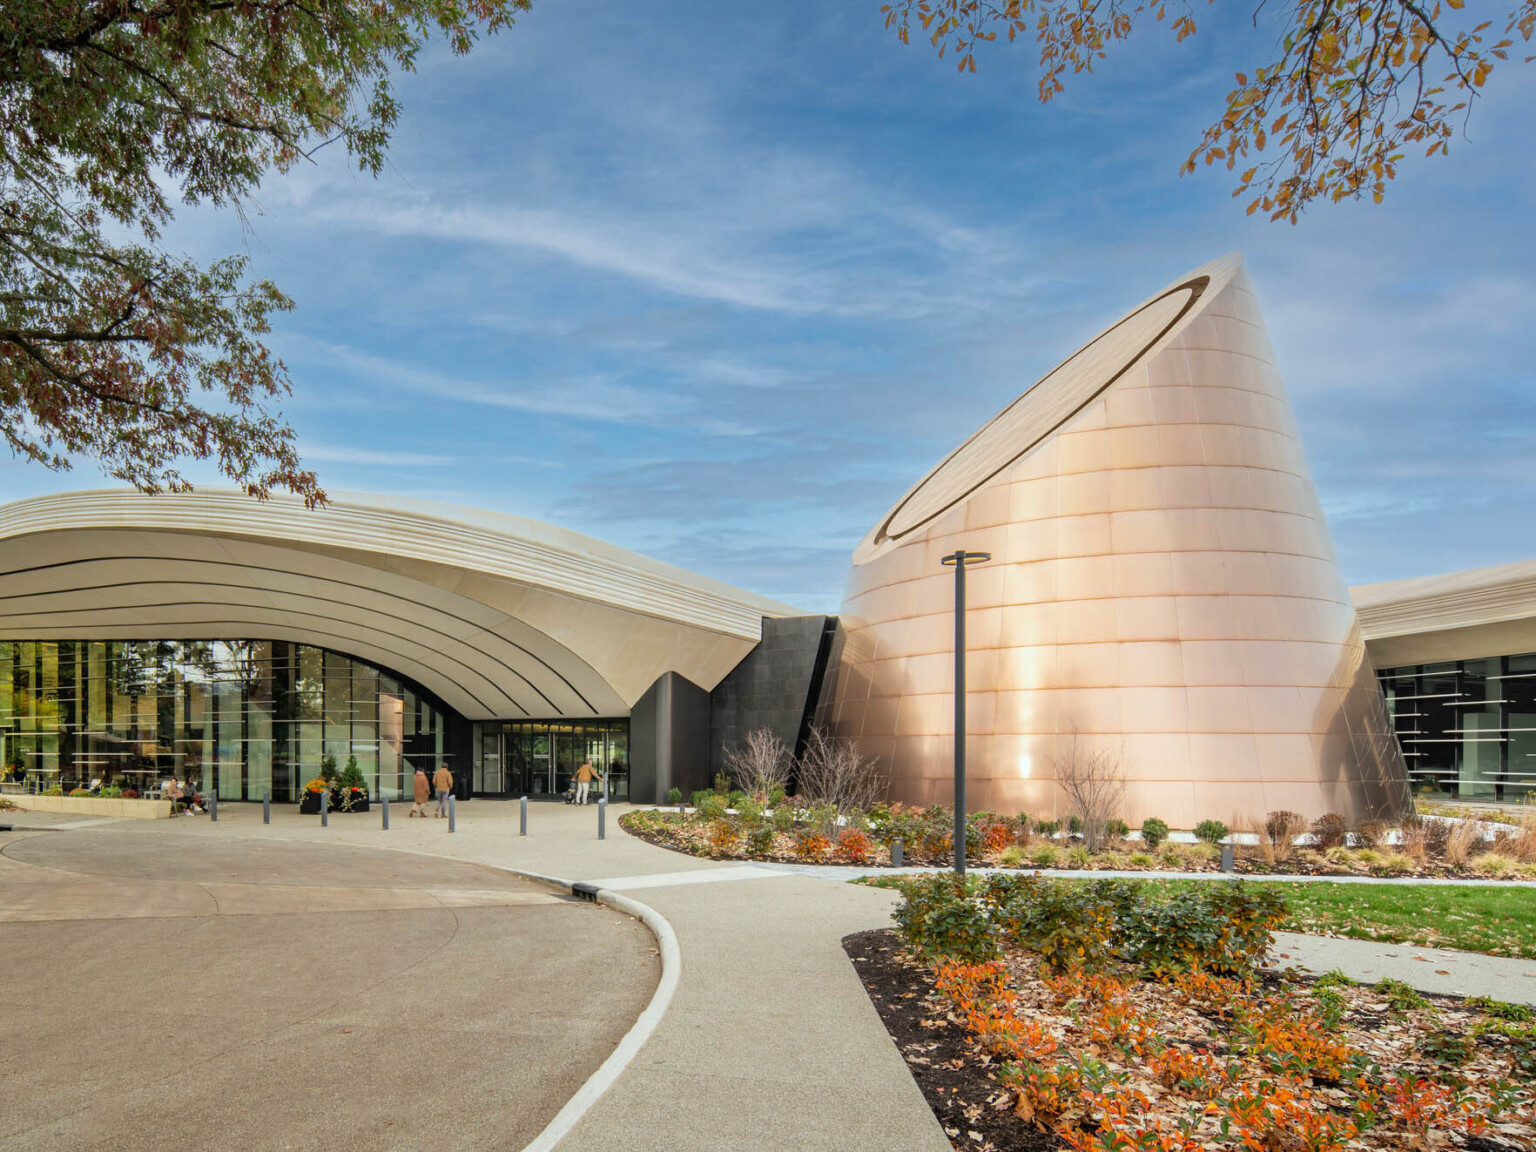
point(856, 847)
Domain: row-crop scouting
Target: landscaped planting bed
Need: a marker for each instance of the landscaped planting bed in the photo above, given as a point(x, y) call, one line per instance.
point(1107, 1015)
point(725, 825)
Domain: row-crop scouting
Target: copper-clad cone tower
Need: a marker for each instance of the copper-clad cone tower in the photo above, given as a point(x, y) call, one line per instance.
point(1162, 584)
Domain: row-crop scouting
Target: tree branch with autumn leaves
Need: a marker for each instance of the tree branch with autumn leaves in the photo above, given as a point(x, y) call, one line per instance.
point(1350, 87)
point(117, 350)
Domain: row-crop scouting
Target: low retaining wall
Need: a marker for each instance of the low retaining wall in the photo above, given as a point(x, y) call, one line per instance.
point(97, 806)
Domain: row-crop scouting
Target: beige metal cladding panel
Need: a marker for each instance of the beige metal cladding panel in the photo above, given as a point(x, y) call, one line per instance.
point(1162, 582)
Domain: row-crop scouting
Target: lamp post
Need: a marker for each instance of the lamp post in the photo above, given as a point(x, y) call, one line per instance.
point(958, 560)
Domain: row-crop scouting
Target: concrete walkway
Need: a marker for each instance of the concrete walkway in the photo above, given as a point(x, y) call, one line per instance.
point(770, 1041)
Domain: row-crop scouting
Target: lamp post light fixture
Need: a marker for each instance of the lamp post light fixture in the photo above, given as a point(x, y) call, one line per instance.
point(958, 560)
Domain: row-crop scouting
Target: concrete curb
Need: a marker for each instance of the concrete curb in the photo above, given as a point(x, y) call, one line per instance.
point(640, 1031)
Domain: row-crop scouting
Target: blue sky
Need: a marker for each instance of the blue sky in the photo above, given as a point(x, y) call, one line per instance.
point(718, 282)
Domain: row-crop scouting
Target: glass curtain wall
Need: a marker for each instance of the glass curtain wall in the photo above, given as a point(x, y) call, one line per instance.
point(238, 716)
point(1467, 728)
point(539, 758)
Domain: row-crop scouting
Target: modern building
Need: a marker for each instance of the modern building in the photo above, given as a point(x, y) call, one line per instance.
point(247, 642)
point(1162, 590)
point(1456, 657)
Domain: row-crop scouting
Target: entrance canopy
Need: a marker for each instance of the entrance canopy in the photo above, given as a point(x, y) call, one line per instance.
point(499, 616)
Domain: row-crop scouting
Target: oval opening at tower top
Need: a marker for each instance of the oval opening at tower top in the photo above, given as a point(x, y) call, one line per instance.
point(1038, 412)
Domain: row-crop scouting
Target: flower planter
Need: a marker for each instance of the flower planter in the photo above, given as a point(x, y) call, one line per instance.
point(309, 803)
point(98, 806)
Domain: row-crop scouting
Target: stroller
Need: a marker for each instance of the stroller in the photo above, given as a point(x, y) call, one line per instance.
point(569, 795)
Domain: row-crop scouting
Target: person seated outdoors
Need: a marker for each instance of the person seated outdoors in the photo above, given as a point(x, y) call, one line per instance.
point(94, 786)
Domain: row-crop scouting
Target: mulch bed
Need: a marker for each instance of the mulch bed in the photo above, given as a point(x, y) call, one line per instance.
point(964, 1094)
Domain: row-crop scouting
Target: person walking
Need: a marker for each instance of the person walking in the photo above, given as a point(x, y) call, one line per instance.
point(442, 780)
point(422, 789)
point(584, 777)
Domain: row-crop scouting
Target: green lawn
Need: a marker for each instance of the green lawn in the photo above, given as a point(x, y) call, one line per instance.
point(1472, 917)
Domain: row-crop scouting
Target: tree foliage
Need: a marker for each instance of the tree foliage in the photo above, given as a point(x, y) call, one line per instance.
point(111, 347)
point(1348, 89)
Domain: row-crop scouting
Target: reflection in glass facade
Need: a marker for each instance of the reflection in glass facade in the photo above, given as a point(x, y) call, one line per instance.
point(238, 716)
point(538, 758)
point(1468, 727)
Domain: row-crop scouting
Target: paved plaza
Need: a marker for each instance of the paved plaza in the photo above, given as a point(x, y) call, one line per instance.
point(211, 991)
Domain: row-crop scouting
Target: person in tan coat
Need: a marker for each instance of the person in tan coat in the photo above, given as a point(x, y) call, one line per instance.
point(423, 789)
point(442, 780)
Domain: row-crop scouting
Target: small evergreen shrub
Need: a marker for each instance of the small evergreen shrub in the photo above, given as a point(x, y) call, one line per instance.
point(1211, 831)
point(1074, 825)
point(734, 798)
point(760, 841)
point(722, 784)
point(783, 817)
point(1045, 856)
point(700, 796)
point(776, 797)
point(723, 835)
point(750, 811)
point(1047, 827)
point(712, 806)
point(937, 918)
point(1117, 828)
point(674, 796)
point(1153, 832)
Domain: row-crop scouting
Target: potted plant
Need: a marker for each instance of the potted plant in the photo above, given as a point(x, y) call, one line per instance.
point(352, 789)
point(314, 791)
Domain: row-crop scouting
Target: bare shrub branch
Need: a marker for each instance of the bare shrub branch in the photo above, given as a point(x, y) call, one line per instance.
point(761, 765)
point(835, 773)
point(1094, 781)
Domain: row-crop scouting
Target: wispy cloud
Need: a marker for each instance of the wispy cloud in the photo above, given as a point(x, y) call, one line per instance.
point(354, 454)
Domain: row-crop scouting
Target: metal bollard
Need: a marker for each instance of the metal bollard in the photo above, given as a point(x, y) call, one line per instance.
point(451, 799)
point(602, 824)
point(1226, 858)
point(266, 805)
point(522, 826)
point(896, 852)
point(213, 807)
point(325, 809)
point(384, 807)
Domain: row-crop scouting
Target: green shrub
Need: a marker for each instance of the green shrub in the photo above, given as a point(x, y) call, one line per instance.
point(700, 796)
point(750, 811)
point(1333, 978)
point(1519, 1013)
point(111, 792)
point(1011, 857)
point(1211, 831)
point(937, 918)
point(1153, 832)
point(783, 817)
point(1219, 927)
point(1400, 997)
point(54, 790)
point(1447, 1047)
point(1074, 825)
point(1117, 828)
point(760, 840)
point(722, 784)
point(1068, 925)
point(1047, 827)
point(1078, 857)
point(1331, 1005)
point(674, 796)
point(1140, 860)
point(711, 806)
point(734, 798)
point(776, 797)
